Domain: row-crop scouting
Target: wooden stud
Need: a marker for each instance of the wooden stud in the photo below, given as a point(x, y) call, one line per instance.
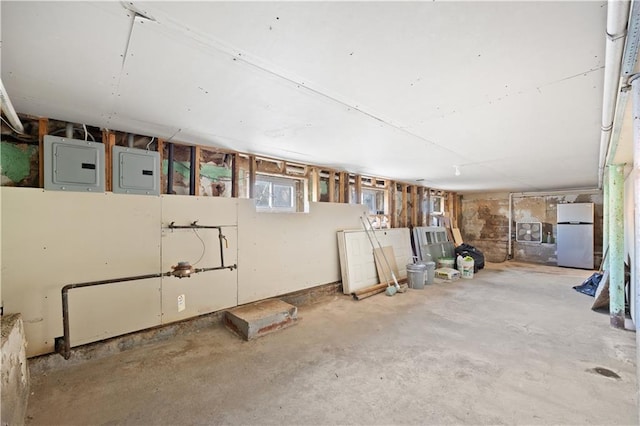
point(414, 206)
point(332, 186)
point(343, 183)
point(163, 181)
point(393, 217)
point(196, 169)
point(43, 129)
point(428, 202)
point(449, 208)
point(358, 189)
point(252, 176)
point(421, 211)
point(300, 193)
point(403, 213)
point(109, 141)
point(314, 179)
point(454, 209)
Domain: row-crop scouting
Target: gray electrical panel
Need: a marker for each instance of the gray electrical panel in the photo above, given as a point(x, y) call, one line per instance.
point(73, 165)
point(136, 171)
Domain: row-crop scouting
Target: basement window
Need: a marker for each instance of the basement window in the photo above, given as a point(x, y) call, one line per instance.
point(437, 205)
point(374, 200)
point(280, 194)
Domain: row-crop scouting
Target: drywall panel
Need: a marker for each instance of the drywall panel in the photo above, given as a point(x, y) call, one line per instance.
point(97, 313)
point(207, 291)
point(284, 252)
point(185, 209)
point(50, 239)
point(356, 252)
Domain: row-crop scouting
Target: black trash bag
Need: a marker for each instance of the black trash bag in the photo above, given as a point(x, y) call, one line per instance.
point(467, 250)
point(590, 285)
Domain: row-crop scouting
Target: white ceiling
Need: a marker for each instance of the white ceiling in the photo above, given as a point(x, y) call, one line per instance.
point(511, 92)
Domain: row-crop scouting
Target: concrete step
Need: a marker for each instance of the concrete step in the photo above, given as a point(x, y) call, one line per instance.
point(260, 318)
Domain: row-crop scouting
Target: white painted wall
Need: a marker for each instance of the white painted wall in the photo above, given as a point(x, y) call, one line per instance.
point(50, 239)
point(285, 252)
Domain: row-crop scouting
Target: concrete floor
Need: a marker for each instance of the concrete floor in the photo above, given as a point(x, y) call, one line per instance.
point(515, 345)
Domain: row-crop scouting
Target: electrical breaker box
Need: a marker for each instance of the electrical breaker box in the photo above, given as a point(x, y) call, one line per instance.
point(136, 171)
point(73, 165)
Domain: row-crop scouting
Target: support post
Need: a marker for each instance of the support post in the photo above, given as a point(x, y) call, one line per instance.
point(616, 245)
point(635, 263)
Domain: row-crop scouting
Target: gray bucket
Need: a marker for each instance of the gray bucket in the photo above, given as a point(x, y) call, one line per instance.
point(416, 275)
point(430, 272)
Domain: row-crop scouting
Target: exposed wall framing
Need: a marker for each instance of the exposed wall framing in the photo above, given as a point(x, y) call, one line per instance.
point(220, 172)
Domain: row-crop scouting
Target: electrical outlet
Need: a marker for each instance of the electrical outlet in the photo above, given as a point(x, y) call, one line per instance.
point(182, 303)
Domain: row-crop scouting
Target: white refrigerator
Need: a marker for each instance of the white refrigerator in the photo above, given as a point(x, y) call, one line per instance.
point(575, 235)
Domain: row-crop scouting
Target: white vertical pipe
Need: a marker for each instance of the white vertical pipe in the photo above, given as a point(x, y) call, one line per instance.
point(617, 17)
point(69, 131)
point(635, 267)
point(605, 223)
point(510, 225)
point(7, 108)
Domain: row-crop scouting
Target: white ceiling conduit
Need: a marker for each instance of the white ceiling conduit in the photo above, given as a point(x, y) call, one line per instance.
point(617, 17)
point(7, 109)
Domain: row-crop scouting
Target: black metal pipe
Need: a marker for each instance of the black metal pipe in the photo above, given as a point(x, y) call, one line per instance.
point(195, 226)
point(192, 226)
point(63, 346)
point(170, 168)
point(220, 238)
point(216, 268)
point(192, 172)
point(66, 344)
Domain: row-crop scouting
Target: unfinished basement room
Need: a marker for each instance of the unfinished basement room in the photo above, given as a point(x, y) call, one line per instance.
point(319, 213)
